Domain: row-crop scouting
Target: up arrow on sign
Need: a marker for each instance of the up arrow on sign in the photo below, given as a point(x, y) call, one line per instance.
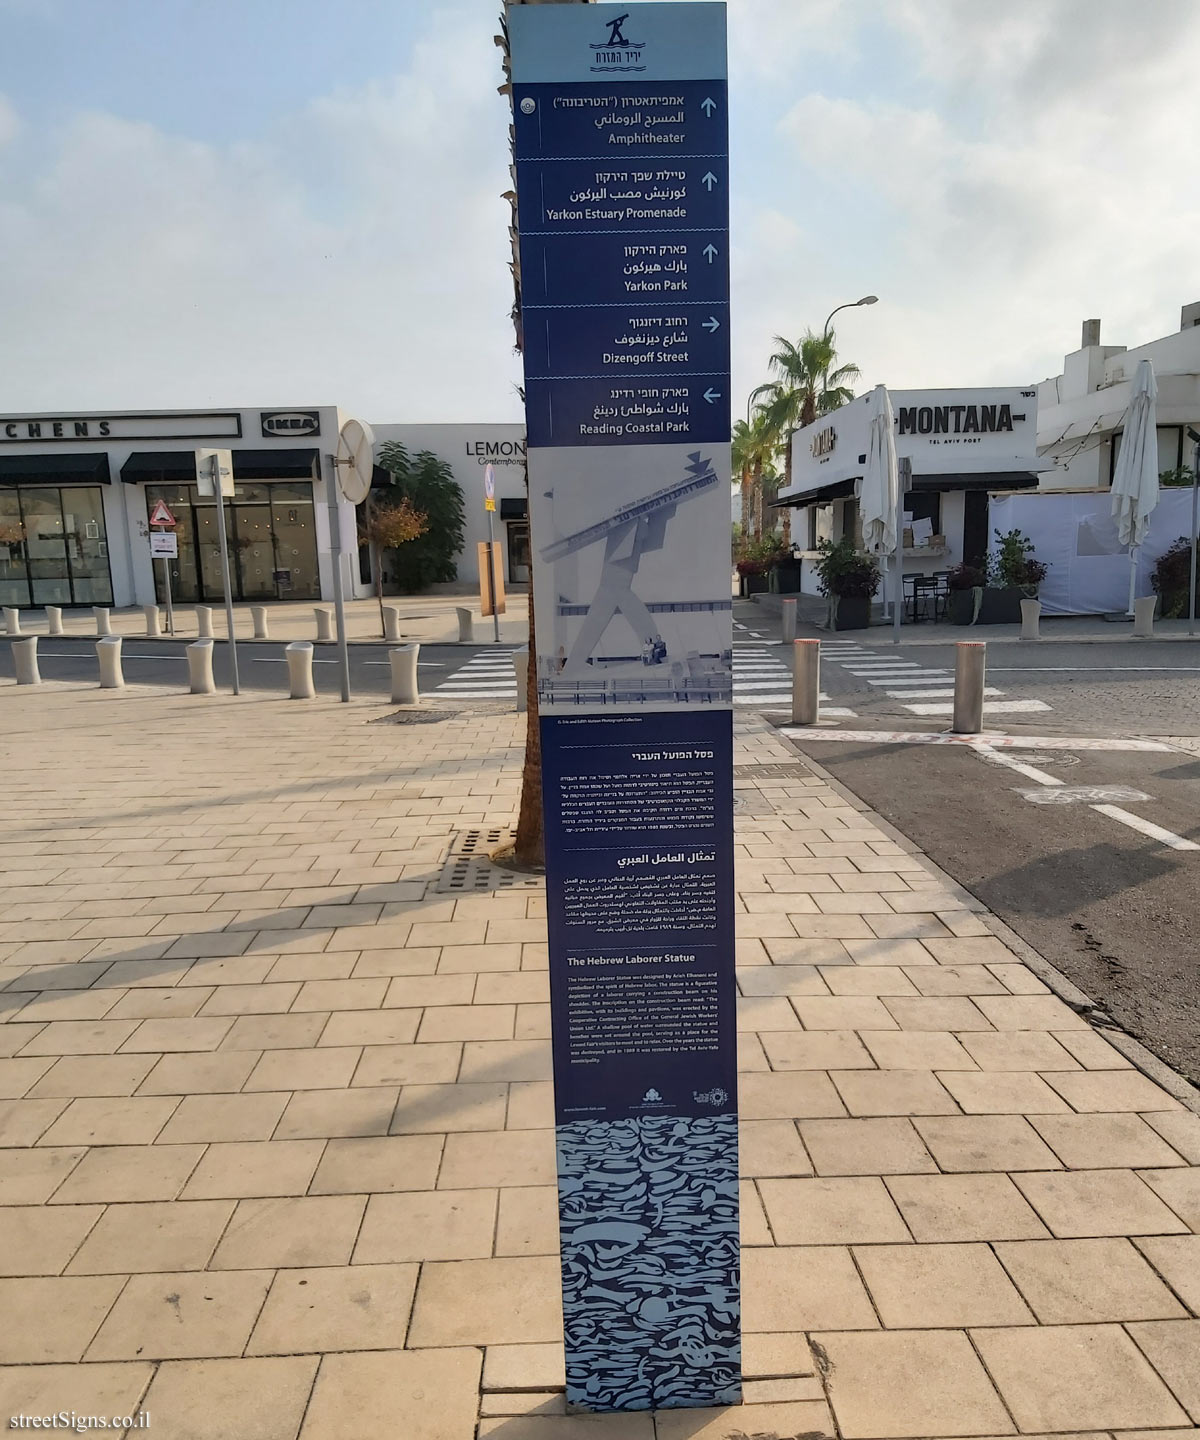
point(708, 105)
point(708, 179)
point(710, 252)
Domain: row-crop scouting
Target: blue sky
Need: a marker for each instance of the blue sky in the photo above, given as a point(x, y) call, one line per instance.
point(204, 202)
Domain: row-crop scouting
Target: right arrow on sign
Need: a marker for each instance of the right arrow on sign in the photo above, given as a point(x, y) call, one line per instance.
point(712, 324)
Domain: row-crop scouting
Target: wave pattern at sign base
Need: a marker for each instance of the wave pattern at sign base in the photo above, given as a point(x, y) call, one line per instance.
point(650, 1260)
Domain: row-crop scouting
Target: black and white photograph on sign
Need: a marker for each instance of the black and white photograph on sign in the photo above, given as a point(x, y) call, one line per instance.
point(639, 610)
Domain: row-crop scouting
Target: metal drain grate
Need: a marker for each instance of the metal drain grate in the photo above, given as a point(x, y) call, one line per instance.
point(777, 771)
point(412, 717)
point(468, 870)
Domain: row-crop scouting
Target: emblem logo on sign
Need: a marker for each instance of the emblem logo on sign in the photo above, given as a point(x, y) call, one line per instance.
point(652, 1097)
point(290, 422)
point(617, 52)
point(715, 1096)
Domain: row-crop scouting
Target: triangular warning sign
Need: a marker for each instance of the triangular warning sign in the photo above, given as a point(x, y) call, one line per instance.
point(161, 515)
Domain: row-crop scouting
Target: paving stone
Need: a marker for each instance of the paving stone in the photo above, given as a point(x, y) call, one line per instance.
point(223, 1117)
point(53, 1319)
point(75, 1076)
point(1002, 1093)
point(1101, 1142)
point(1173, 1348)
point(154, 1003)
point(771, 1147)
point(1092, 1051)
point(39, 1239)
point(803, 1288)
point(1177, 1260)
point(1181, 1190)
point(815, 1049)
point(625, 1426)
point(390, 1393)
point(530, 1106)
point(45, 1390)
point(143, 1237)
point(780, 979)
point(487, 1302)
point(442, 1108)
point(427, 1064)
point(325, 1113)
point(427, 1225)
point(964, 1207)
point(181, 1034)
point(1087, 1281)
point(1181, 1129)
point(916, 1050)
point(952, 1012)
point(898, 949)
point(496, 1159)
point(1067, 1377)
point(253, 1168)
point(957, 979)
point(360, 1307)
point(1030, 1012)
point(122, 1173)
point(111, 1121)
point(780, 1418)
point(290, 1231)
point(274, 1032)
point(354, 1166)
point(524, 1367)
point(30, 1177)
point(872, 1391)
point(1018, 1050)
point(320, 1069)
point(841, 1211)
point(893, 1092)
point(777, 1356)
point(843, 1012)
point(18, 1076)
point(1112, 1090)
point(182, 1316)
point(489, 1060)
point(81, 1037)
point(267, 1396)
point(266, 999)
point(1098, 1202)
point(943, 1286)
point(211, 1074)
point(865, 1147)
point(973, 1143)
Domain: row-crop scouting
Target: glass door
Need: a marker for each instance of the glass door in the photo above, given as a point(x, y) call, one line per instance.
point(518, 553)
point(14, 569)
point(255, 552)
point(46, 547)
point(208, 549)
point(87, 547)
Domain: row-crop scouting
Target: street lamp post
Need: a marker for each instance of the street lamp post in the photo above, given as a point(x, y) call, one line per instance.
point(849, 305)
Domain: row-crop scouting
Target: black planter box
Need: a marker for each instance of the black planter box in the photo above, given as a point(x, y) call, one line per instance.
point(785, 577)
point(754, 585)
point(849, 612)
point(1001, 605)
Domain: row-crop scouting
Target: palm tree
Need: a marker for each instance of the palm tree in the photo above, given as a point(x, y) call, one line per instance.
point(753, 448)
point(805, 385)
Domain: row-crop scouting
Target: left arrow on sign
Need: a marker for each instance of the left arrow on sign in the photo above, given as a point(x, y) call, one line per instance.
point(710, 395)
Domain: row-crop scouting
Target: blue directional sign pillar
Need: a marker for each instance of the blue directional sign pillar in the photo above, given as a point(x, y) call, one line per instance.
point(623, 212)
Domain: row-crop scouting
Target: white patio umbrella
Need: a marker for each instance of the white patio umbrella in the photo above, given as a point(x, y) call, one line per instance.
point(879, 495)
point(1135, 480)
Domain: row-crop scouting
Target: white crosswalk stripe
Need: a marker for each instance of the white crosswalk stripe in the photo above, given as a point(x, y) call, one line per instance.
point(920, 690)
point(488, 675)
point(762, 677)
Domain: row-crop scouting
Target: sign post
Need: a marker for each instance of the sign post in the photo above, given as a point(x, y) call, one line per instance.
point(166, 547)
point(489, 504)
point(621, 147)
point(214, 476)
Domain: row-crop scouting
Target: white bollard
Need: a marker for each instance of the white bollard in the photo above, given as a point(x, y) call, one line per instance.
point(108, 652)
point(787, 618)
point(200, 667)
point(806, 681)
point(324, 619)
point(204, 622)
point(103, 626)
point(1031, 614)
point(391, 622)
point(404, 675)
point(54, 625)
point(521, 666)
point(12, 620)
point(25, 661)
point(153, 622)
point(1143, 617)
point(970, 671)
point(466, 624)
point(300, 678)
point(258, 613)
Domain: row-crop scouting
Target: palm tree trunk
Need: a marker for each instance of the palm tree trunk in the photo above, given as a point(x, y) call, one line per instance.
point(758, 500)
point(747, 496)
point(787, 485)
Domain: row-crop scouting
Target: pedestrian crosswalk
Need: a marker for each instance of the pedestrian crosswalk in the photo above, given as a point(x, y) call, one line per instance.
point(921, 690)
point(760, 677)
point(487, 675)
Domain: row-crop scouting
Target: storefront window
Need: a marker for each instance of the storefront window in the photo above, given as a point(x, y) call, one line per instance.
point(53, 546)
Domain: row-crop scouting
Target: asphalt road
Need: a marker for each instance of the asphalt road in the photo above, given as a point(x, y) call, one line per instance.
point(1116, 911)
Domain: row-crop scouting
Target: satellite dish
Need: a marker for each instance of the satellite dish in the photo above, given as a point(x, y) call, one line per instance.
point(355, 460)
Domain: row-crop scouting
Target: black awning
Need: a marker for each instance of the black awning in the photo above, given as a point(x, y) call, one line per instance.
point(55, 469)
point(992, 480)
point(515, 509)
point(271, 464)
point(835, 490)
point(160, 467)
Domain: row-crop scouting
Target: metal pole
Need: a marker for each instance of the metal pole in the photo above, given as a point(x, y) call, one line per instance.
point(1195, 493)
point(167, 586)
point(492, 581)
point(806, 681)
point(903, 486)
point(339, 599)
point(223, 541)
point(970, 669)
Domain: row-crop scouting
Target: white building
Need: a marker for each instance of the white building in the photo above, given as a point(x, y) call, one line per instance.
point(963, 444)
point(1081, 412)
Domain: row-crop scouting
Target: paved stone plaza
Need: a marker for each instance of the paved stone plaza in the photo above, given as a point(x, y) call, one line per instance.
point(277, 1150)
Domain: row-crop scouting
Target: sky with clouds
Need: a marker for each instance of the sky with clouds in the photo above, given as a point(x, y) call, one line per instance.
point(214, 202)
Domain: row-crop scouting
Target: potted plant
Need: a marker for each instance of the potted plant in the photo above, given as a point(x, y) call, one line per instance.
point(990, 591)
point(1171, 579)
point(966, 583)
point(850, 579)
point(753, 577)
point(754, 561)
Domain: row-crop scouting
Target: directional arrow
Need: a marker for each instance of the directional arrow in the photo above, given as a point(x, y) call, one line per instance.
point(708, 179)
point(708, 105)
point(710, 395)
point(712, 324)
point(709, 252)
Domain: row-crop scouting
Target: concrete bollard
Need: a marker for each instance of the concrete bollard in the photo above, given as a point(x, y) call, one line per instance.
point(405, 690)
point(391, 622)
point(25, 661)
point(324, 619)
point(521, 666)
point(1143, 617)
point(204, 622)
point(1031, 614)
point(258, 613)
point(787, 618)
point(806, 681)
point(153, 622)
point(200, 667)
point(108, 652)
point(300, 678)
point(54, 625)
point(12, 620)
point(970, 671)
point(103, 624)
point(466, 624)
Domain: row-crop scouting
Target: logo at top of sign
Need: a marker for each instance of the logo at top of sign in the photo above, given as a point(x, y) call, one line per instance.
point(161, 515)
point(617, 52)
point(528, 105)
